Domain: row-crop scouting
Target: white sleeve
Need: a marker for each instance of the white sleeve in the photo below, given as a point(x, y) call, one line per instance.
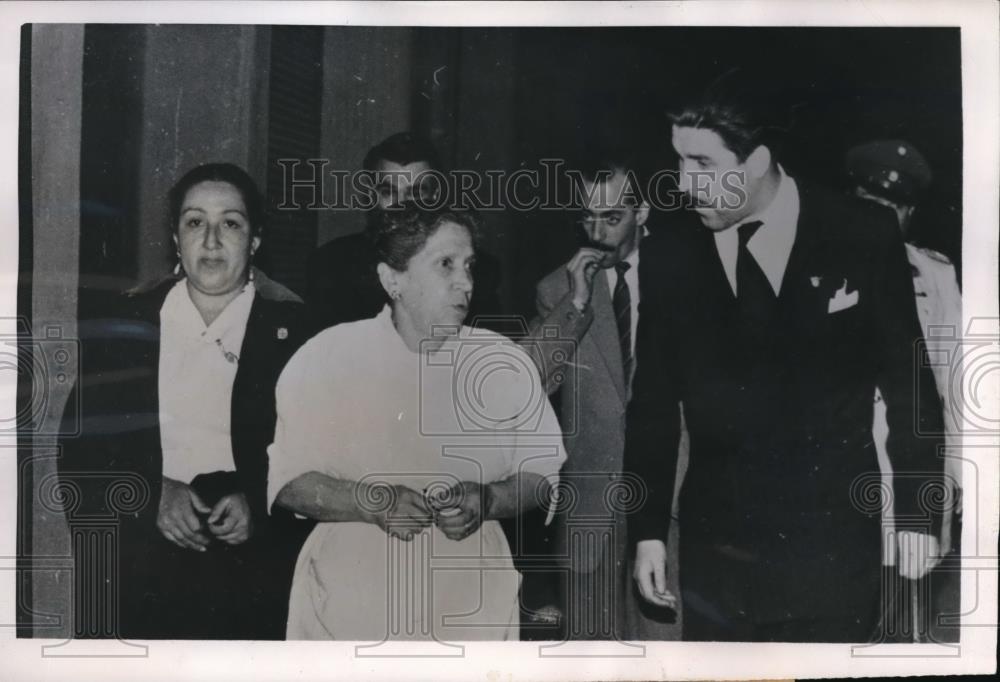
point(951, 315)
point(538, 446)
point(300, 443)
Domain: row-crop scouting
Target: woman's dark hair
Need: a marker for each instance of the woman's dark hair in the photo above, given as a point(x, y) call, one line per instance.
point(743, 107)
point(402, 232)
point(219, 172)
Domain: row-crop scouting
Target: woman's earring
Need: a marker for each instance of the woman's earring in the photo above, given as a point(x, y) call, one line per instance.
point(394, 294)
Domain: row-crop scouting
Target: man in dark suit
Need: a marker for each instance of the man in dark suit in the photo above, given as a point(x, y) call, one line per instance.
point(341, 285)
point(585, 327)
point(772, 322)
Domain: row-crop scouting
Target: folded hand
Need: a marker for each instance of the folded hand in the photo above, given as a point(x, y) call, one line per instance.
point(177, 518)
point(407, 514)
point(230, 520)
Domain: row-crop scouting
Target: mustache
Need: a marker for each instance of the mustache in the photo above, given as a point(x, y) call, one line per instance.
point(690, 201)
point(584, 241)
point(599, 246)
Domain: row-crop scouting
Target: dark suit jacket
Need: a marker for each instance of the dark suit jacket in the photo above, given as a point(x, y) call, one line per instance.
point(593, 394)
point(782, 465)
point(579, 356)
point(116, 464)
point(341, 284)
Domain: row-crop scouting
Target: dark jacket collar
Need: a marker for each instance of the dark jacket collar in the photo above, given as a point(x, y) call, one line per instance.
point(268, 288)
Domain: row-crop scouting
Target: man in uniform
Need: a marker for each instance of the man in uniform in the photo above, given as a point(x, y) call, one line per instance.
point(895, 174)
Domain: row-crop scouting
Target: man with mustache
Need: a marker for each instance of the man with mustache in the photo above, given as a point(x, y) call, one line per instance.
point(593, 304)
point(773, 321)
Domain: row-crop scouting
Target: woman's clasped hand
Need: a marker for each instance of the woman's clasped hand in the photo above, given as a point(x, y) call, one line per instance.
point(459, 511)
point(186, 521)
point(403, 512)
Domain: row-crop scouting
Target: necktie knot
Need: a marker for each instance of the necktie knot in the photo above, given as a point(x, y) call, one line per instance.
point(747, 231)
point(622, 267)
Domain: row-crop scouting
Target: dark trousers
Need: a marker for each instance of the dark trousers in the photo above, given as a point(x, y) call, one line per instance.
point(731, 595)
point(166, 592)
point(591, 602)
point(176, 593)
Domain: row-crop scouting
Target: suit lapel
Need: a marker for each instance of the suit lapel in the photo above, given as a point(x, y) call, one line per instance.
point(713, 272)
point(255, 355)
point(708, 268)
point(605, 333)
point(807, 259)
point(253, 400)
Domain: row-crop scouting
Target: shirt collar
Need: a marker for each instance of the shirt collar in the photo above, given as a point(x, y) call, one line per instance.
point(633, 258)
point(771, 245)
point(180, 316)
point(783, 210)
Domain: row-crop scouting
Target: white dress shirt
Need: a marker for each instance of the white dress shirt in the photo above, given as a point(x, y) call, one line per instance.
point(771, 244)
point(632, 280)
point(196, 372)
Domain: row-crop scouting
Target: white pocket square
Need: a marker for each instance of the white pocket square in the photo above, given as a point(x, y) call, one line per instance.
point(842, 300)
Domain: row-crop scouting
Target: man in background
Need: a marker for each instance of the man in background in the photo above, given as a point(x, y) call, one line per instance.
point(592, 302)
point(895, 174)
point(341, 285)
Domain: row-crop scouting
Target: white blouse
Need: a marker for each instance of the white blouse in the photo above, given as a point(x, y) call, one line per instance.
point(197, 368)
point(355, 401)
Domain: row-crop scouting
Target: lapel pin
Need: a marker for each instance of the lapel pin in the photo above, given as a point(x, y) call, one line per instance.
point(815, 281)
point(282, 333)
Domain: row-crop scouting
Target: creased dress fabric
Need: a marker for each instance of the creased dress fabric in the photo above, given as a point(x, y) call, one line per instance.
point(355, 403)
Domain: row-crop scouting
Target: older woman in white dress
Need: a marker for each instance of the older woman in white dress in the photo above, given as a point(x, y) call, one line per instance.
point(407, 436)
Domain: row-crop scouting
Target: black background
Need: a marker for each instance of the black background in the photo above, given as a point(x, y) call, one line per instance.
point(847, 86)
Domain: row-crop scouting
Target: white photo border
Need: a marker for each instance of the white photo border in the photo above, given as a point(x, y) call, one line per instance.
point(978, 22)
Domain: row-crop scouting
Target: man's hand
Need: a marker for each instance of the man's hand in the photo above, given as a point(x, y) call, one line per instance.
point(178, 518)
point(407, 516)
point(581, 270)
point(918, 554)
point(651, 573)
point(230, 520)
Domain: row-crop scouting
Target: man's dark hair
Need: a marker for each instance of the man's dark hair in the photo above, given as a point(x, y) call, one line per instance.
point(601, 164)
point(745, 108)
point(402, 148)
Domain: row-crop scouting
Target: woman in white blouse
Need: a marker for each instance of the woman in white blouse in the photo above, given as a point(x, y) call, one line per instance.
point(186, 399)
point(407, 436)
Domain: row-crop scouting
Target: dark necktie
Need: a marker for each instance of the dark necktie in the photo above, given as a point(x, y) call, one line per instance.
point(754, 294)
point(622, 302)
